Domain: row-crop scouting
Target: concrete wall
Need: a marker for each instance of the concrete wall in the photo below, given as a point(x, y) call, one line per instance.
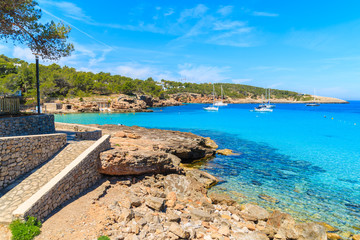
point(82, 131)
point(19, 155)
point(75, 178)
point(27, 125)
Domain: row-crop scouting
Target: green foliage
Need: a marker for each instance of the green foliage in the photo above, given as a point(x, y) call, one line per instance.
point(19, 22)
point(60, 82)
point(25, 230)
point(103, 238)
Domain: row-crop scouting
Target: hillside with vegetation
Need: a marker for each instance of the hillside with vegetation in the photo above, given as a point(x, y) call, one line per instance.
point(65, 82)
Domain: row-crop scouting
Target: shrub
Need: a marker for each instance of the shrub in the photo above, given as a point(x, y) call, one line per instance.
point(103, 238)
point(25, 230)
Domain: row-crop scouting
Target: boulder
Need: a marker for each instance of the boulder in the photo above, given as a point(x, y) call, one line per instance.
point(186, 146)
point(178, 231)
point(171, 199)
point(282, 224)
point(251, 236)
point(210, 143)
point(155, 203)
point(135, 201)
point(253, 212)
point(328, 227)
point(310, 231)
point(333, 236)
point(201, 215)
point(223, 199)
point(225, 152)
point(173, 217)
point(121, 162)
point(356, 237)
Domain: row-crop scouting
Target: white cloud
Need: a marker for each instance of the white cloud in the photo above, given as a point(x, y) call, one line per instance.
point(226, 25)
point(226, 10)
point(71, 10)
point(136, 70)
point(265, 14)
point(24, 54)
point(169, 12)
point(271, 68)
point(3, 48)
point(237, 38)
point(202, 74)
point(241, 80)
point(195, 12)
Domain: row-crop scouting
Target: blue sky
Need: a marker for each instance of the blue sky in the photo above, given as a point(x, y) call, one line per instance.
point(294, 45)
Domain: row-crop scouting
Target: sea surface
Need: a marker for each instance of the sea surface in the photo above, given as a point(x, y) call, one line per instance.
point(302, 160)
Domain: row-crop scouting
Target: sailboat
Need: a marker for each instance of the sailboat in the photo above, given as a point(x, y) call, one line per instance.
point(269, 105)
point(212, 107)
point(221, 103)
point(262, 107)
point(313, 104)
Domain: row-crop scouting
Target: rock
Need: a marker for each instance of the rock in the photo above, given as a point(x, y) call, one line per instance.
point(251, 236)
point(120, 134)
point(356, 237)
point(186, 146)
point(210, 143)
point(205, 178)
point(200, 214)
point(283, 224)
point(225, 152)
point(328, 228)
point(155, 203)
point(126, 215)
point(332, 236)
point(223, 199)
point(122, 162)
point(253, 212)
point(268, 198)
point(173, 217)
point(310, 231)
point(133, 136)
point(178, 231)
point(171, 199)
point(224, 230)
point(135, 201)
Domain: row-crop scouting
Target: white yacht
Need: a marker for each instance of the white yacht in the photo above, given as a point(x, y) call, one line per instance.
point(313, 104)
point(221, 103)
point(212, 107)
point(262, 109)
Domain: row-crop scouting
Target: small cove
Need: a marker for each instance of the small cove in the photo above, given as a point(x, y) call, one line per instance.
point(304, 161)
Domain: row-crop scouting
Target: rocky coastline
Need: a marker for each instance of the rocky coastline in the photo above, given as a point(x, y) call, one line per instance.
point(141, 103)
point(146, 193)
point(201, 98)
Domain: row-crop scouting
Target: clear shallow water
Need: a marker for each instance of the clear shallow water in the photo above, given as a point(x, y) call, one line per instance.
point(307, 158)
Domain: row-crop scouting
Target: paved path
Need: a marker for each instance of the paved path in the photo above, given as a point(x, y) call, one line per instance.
point(25, 186)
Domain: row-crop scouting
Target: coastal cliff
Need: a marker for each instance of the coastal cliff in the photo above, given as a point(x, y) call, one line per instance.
point(202, 98)
point(141, 103)
point(146, 193)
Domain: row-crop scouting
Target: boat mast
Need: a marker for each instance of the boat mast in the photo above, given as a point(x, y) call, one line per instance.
point(213, 94)
point(269, 96)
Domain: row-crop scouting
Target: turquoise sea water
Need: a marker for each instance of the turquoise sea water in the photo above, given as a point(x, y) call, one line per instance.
point(307, 158)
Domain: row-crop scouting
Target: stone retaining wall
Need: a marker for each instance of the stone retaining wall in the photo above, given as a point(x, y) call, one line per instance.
point(19, 155)
point(27, 125)
point(83, 132)
point(75, 178)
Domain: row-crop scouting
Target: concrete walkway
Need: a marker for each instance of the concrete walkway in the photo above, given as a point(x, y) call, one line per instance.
point(28, 184)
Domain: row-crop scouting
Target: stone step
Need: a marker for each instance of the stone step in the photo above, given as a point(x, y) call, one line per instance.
point(28, 184)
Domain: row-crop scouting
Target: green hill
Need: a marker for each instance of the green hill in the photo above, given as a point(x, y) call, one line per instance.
point(60, 82)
